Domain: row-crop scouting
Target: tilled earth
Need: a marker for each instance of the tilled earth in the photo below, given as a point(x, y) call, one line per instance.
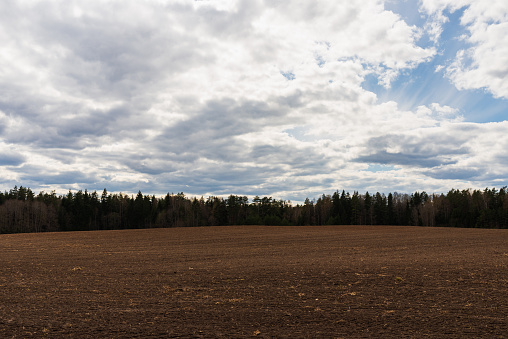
point(330, 282)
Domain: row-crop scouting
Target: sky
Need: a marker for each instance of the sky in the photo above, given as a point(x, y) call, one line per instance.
point(289, 99)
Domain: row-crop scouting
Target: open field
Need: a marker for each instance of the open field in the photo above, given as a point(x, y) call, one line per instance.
point(333, 281)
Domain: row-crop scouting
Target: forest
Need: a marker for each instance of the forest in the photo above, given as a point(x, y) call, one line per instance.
point(22, 211)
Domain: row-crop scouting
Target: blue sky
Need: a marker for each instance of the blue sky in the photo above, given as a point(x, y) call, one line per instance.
point(252, 97)
point(424, 85)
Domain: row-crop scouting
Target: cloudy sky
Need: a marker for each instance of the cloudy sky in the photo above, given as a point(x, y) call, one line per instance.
point(289, 99)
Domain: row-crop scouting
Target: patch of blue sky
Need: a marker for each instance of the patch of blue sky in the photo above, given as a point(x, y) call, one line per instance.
point(380, 168)
point(319, 60)
point(300, 133)
point(424, 86)
point(288, 75)
point(407, 10)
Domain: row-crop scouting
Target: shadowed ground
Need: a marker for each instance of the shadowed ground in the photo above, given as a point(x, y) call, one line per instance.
point(333, 281)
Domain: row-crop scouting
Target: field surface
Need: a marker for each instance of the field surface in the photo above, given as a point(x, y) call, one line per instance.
point(331, 282)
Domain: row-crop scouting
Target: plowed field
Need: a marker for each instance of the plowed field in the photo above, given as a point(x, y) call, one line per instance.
point(332, 282)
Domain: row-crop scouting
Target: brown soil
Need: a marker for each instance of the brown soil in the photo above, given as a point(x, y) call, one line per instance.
point(334, 281)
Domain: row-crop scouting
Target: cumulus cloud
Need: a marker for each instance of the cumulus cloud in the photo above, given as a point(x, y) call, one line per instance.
point(484, 63)
point(227, 97)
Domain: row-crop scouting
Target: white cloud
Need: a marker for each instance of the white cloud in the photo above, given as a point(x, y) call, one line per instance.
point(189, 96)
point(483, 65)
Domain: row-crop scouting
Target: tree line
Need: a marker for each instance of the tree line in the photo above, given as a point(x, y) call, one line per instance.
point(23, 211)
